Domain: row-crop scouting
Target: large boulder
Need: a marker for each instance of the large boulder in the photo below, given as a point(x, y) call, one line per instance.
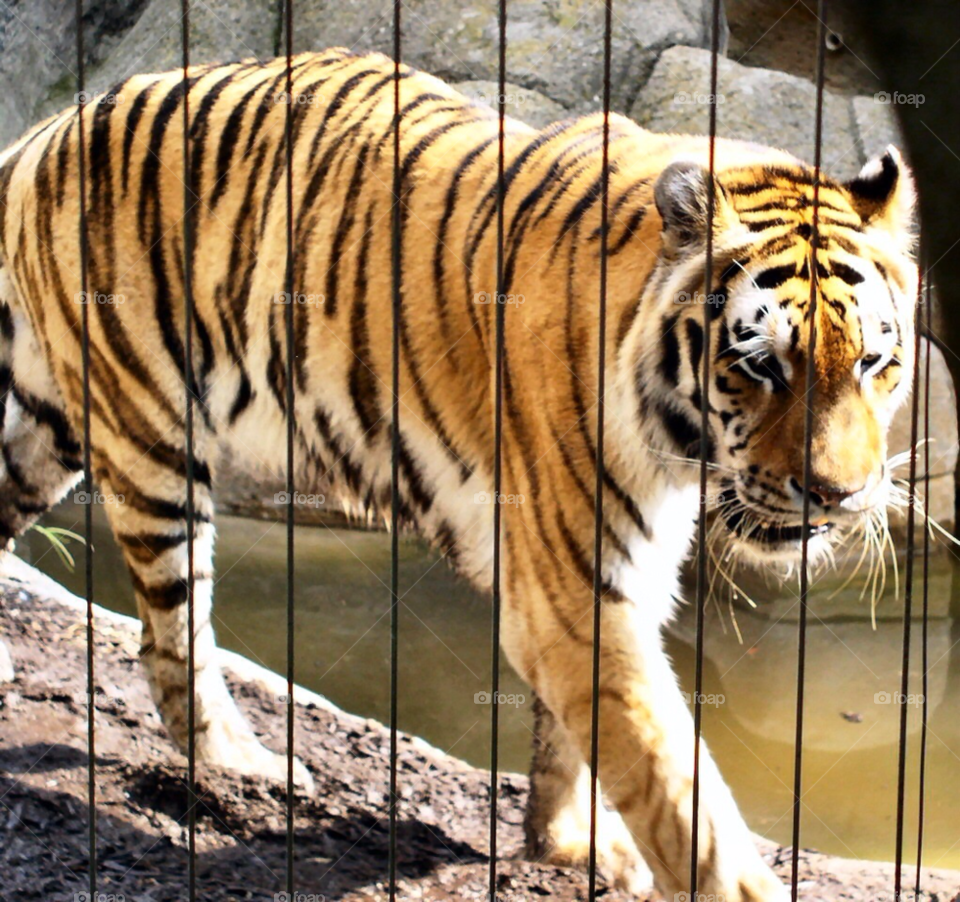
point(38, 57)
point(521, 103)
point(876, 124)
point(759, 105)
point(555, 48)
point(38, 53)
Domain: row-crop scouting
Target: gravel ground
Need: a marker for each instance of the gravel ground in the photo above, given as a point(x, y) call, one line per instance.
point(341, 832)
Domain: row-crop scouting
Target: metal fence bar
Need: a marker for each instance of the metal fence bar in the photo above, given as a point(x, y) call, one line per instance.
point(87, 469)
point(188, 379)
point(288, 312)
point(704, 454)
point(499, 324)
point(809, 385)
point(598, 490)
point(924, 650)
point(908, 595)
point(395, 263)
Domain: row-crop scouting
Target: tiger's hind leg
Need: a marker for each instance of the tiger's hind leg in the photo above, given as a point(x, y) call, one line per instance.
point(41, 456)
point(557, 818)
point(146, 506)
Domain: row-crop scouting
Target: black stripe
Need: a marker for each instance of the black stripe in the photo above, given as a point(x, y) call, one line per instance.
point(132, 121)
point(845, 273)
point(348, 207)
point(362, 381)
point(669, 364)
point(775, 276)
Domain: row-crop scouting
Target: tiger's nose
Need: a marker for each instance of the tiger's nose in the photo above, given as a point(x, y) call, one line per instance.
point(826, 496)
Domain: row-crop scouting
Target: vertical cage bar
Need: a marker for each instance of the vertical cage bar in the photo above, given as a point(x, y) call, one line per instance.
point(598, 490)
point(808, 393)
point(288, 312)
point(87, 470)
point(704, 452)
point(188, 379)
point(395, 263)
point(924, 650)
point(499, 323)
point(908, 594)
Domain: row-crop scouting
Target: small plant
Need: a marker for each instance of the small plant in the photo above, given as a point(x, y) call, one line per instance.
point(58, 537)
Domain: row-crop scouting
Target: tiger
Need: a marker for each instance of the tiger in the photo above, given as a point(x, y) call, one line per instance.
point(776, 271)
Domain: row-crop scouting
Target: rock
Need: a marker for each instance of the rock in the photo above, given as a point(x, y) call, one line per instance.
point(220, 30)
point(37, 49)
point(122, 37)
point(553, 47)
point(525, 104)
point(876, 125)
point(758, 105)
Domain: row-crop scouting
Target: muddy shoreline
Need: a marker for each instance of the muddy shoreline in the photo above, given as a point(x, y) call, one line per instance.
point(341, 833)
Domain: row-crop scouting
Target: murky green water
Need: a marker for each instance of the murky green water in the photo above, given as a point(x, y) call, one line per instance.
point(851, 729)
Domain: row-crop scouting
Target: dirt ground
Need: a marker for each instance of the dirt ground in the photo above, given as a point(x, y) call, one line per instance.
point(341, 831)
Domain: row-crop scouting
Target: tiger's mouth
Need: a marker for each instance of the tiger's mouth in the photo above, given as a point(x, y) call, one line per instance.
point(759, 529)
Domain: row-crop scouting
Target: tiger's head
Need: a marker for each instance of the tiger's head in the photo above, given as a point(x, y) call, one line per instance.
point(759, 305)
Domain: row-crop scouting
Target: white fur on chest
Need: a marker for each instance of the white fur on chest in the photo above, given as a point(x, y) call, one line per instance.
point(650, 577)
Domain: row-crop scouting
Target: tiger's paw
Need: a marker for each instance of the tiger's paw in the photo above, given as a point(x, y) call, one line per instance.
point(617, 857)
point(762, 886)
point(233, 746)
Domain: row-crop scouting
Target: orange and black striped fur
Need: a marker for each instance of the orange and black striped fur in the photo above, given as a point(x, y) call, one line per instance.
point(758, 300)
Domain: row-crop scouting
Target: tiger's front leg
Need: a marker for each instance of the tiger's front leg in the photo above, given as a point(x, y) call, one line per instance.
point(557, 819)
point(646, 735)
point(146, 510)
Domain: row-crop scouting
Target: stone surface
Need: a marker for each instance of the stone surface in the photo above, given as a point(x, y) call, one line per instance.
point(757, 105)
point(876, 125)
point(555, 47)
point(525, 104)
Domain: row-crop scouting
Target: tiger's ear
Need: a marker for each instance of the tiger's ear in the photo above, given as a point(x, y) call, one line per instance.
point(681, 194)
point(884, 197)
